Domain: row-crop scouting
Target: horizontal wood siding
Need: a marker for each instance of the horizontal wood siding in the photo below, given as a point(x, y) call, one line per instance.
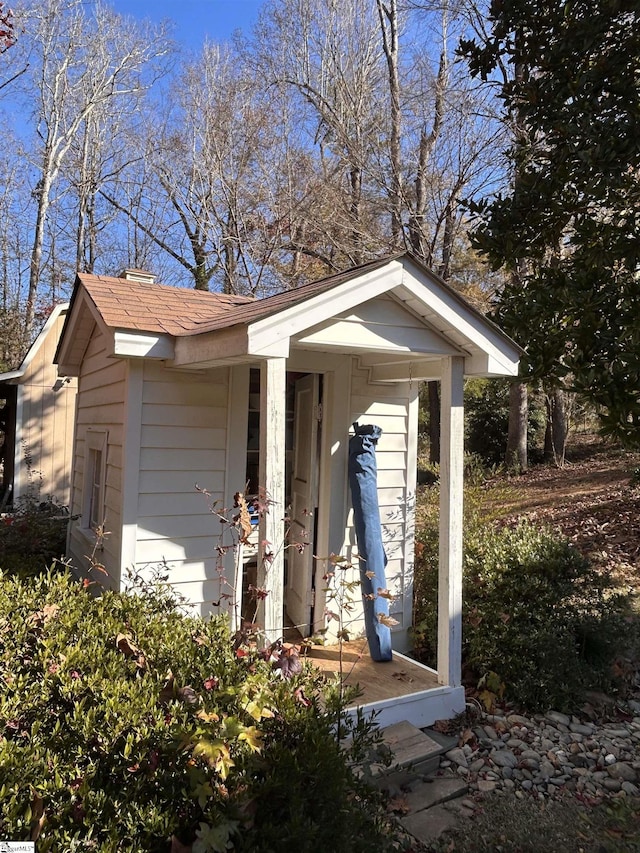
point(100, 404)
point(43, 468)
point(183, 441)
point(388, 407)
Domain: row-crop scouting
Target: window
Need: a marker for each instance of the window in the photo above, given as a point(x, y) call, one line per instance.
point(94, 480)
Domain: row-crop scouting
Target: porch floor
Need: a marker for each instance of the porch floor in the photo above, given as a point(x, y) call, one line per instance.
point(377, 681)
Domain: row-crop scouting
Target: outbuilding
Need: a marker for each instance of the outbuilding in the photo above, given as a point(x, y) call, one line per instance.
point(37, 415)
point(184, 397)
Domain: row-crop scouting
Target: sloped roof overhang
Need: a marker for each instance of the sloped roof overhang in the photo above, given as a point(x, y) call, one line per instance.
point(277, 326)
point(212, 329)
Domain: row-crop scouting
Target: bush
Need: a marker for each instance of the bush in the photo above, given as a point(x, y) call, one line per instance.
point(32, 536)
point(534, 612)
point(125, 724)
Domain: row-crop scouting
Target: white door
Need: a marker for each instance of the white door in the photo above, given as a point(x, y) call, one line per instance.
point(304, 500)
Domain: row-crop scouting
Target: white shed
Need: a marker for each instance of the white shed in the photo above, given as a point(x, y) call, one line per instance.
point(178, 387)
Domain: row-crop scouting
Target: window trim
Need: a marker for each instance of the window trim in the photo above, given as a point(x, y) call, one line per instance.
point(96, 442)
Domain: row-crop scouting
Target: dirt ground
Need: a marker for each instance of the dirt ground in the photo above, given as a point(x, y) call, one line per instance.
point(595, 501)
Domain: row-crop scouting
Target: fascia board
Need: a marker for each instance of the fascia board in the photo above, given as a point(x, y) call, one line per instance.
point(485, 365)
point(35, 346)
point(68, 364)
point(127, 344)
point(210, 347)
point(11, 377)
point(270, 335)
point(473, 327)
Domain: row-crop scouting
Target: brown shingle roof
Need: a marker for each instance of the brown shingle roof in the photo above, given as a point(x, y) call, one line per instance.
point(125, 304)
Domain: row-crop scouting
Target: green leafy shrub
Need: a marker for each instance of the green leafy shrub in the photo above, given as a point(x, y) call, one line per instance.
point(125, 724)
point(534, 612)
point(32, 535)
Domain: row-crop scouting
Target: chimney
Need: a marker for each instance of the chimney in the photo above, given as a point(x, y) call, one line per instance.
point(141, 276)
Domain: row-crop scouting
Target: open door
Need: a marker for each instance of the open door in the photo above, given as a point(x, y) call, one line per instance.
point(304, 500)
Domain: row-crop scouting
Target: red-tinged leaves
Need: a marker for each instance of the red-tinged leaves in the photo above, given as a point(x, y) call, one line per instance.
point(399, 805)
point(211, 683)
point(289, 662)
point(257, 593)
point(388, 621)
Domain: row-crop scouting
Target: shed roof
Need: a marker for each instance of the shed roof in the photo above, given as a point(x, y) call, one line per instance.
point(157, 308)
point(196, 329)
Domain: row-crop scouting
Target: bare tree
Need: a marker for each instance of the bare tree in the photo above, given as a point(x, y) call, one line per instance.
point(205, 190)
point(328, 57)
point(78, 62)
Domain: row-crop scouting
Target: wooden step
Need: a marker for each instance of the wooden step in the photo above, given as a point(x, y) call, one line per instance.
point(412, 748)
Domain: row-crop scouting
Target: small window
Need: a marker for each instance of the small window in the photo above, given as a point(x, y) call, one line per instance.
point(93, 515)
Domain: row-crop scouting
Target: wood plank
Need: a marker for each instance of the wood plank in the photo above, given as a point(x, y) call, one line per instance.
point(450, 534)
point(189, 391)
point(398, 677)
point(183, 482)
point(272, 479)
point(184, 416)
point(201, 462)
point(173, 437)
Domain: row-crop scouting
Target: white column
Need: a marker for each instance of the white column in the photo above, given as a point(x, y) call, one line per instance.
point(451, 497)
point(272, 482)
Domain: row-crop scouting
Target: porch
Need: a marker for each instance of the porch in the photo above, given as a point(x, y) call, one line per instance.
point(400, 690)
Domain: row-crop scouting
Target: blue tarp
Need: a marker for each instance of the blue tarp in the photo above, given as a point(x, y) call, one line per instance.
point(363, 479)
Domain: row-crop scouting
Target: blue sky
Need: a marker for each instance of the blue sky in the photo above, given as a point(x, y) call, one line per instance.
point(195, 20)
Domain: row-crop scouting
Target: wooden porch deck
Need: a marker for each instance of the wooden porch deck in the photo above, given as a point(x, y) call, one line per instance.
point(397, 691)
point(377, 681)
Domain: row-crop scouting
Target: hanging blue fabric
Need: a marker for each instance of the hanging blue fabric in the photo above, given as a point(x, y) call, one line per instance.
point(363, 479)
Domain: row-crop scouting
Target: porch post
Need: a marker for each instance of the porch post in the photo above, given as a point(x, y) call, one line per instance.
point(451, 496)
point(272, 482)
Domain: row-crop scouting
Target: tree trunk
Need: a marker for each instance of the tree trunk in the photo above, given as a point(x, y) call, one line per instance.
point(516, 455)
point(388, 15)
point(557, 429)
point(43, 196)
point(434, 422)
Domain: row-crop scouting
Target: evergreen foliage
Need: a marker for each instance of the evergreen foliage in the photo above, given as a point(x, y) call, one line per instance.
point(567, 232)
point(127, 726)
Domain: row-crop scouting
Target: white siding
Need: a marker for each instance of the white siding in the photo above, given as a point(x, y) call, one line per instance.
point(183, 437)
point(393, 408)
point(100, 403)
